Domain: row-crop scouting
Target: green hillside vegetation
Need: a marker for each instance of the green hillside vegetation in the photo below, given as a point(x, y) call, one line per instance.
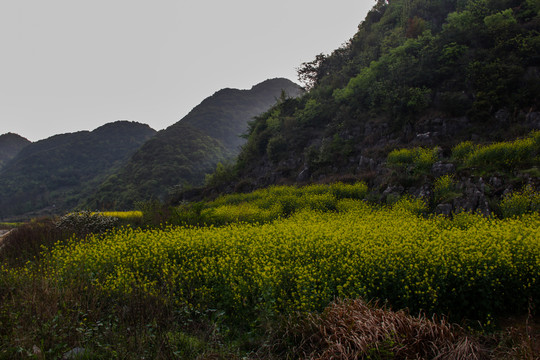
point(10, 145)
point(390, 212)
point(185, 152)
point(51, 174)
point(417, 73)
point(178, 155)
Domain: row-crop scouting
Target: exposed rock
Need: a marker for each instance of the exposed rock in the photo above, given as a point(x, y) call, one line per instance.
point(502, 116)
point(440, 168)
point(392, 192)
point(495, 182)
point(423, 192)
point(366, 163)
point(74, 353)
point(36, 350)
point(424, 136)
point(533, 120)
point(441, 126)
point(473, 199)
point(304, 175)
point(444, 209)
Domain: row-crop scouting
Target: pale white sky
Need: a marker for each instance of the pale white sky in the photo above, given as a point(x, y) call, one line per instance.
point(70, 65)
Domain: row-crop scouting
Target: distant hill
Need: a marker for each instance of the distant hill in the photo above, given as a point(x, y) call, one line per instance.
point(185, 152)
point(10, 145)
point(51, 175)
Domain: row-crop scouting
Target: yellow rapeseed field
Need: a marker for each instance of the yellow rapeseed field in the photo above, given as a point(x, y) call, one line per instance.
point(465, 265)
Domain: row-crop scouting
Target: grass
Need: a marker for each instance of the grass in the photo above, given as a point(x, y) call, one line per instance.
point(415, 160)
point(500, 156)
point(9, 225)
point(354, 329)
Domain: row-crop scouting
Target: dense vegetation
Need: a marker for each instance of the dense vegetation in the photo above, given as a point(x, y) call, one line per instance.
point(469, 266)
point(185, 152)
point(226, 285)
point(416, 73)
point(10, 145)
point(53, 174)
point(436, 99)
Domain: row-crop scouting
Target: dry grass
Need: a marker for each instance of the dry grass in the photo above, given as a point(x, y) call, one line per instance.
point(353, 329)
point(26, 242)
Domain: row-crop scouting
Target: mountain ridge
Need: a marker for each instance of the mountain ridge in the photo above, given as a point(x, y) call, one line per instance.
point(10, 145)
point(416, 74)
point(49, 175)
point(183, 153)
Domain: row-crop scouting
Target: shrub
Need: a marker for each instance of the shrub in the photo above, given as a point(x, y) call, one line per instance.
point(153, 212)
point(444, 189)
point(401, 157)
point(85, 222)
point(506, 155)
point(26, 242)
point(244, 212)
point(224, 174)
point(418, 160)
point(462, 150)
point(358, 190)
point(410, 204)
point(521, 202)
point(276, 147)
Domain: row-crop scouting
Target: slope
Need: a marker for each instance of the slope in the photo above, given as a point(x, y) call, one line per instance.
point(10, 145)
point(416, 74)
point(53, 174)
point(186, 151)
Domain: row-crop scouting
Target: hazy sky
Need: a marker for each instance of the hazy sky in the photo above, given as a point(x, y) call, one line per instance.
point(70, 65)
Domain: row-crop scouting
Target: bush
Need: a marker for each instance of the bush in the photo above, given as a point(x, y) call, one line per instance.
point(224, 174)
point(85, 222)
point(276, 147)
point(521, 202)
point(418, 160)
point(358, 190)
point(444, 189)
point(461, 151)
point(455, 103)
point(244, 212)
point(153, 212)
point(28, 241)
point(509, 155)
point(410, 204)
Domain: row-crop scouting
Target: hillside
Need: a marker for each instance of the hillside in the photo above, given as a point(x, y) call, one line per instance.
point(186, 151)
point(416, 74)
point(52, 174)
point(10, 145)
point(431, 108)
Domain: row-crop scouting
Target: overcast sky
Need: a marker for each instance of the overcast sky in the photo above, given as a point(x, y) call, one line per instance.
point(70, 65)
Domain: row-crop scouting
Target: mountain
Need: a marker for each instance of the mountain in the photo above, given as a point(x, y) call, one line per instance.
point(417, 73)
point(10, 145)
point(52, 174)
point(186, 151)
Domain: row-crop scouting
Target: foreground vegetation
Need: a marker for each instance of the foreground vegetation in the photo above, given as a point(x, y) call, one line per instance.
point(469, 266)
point(250, 276)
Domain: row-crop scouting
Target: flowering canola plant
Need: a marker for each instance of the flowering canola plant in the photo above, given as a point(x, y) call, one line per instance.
point(468, 265)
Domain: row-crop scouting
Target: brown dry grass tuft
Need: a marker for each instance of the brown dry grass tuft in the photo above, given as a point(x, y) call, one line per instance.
point(353, 329)
point(26, 242)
